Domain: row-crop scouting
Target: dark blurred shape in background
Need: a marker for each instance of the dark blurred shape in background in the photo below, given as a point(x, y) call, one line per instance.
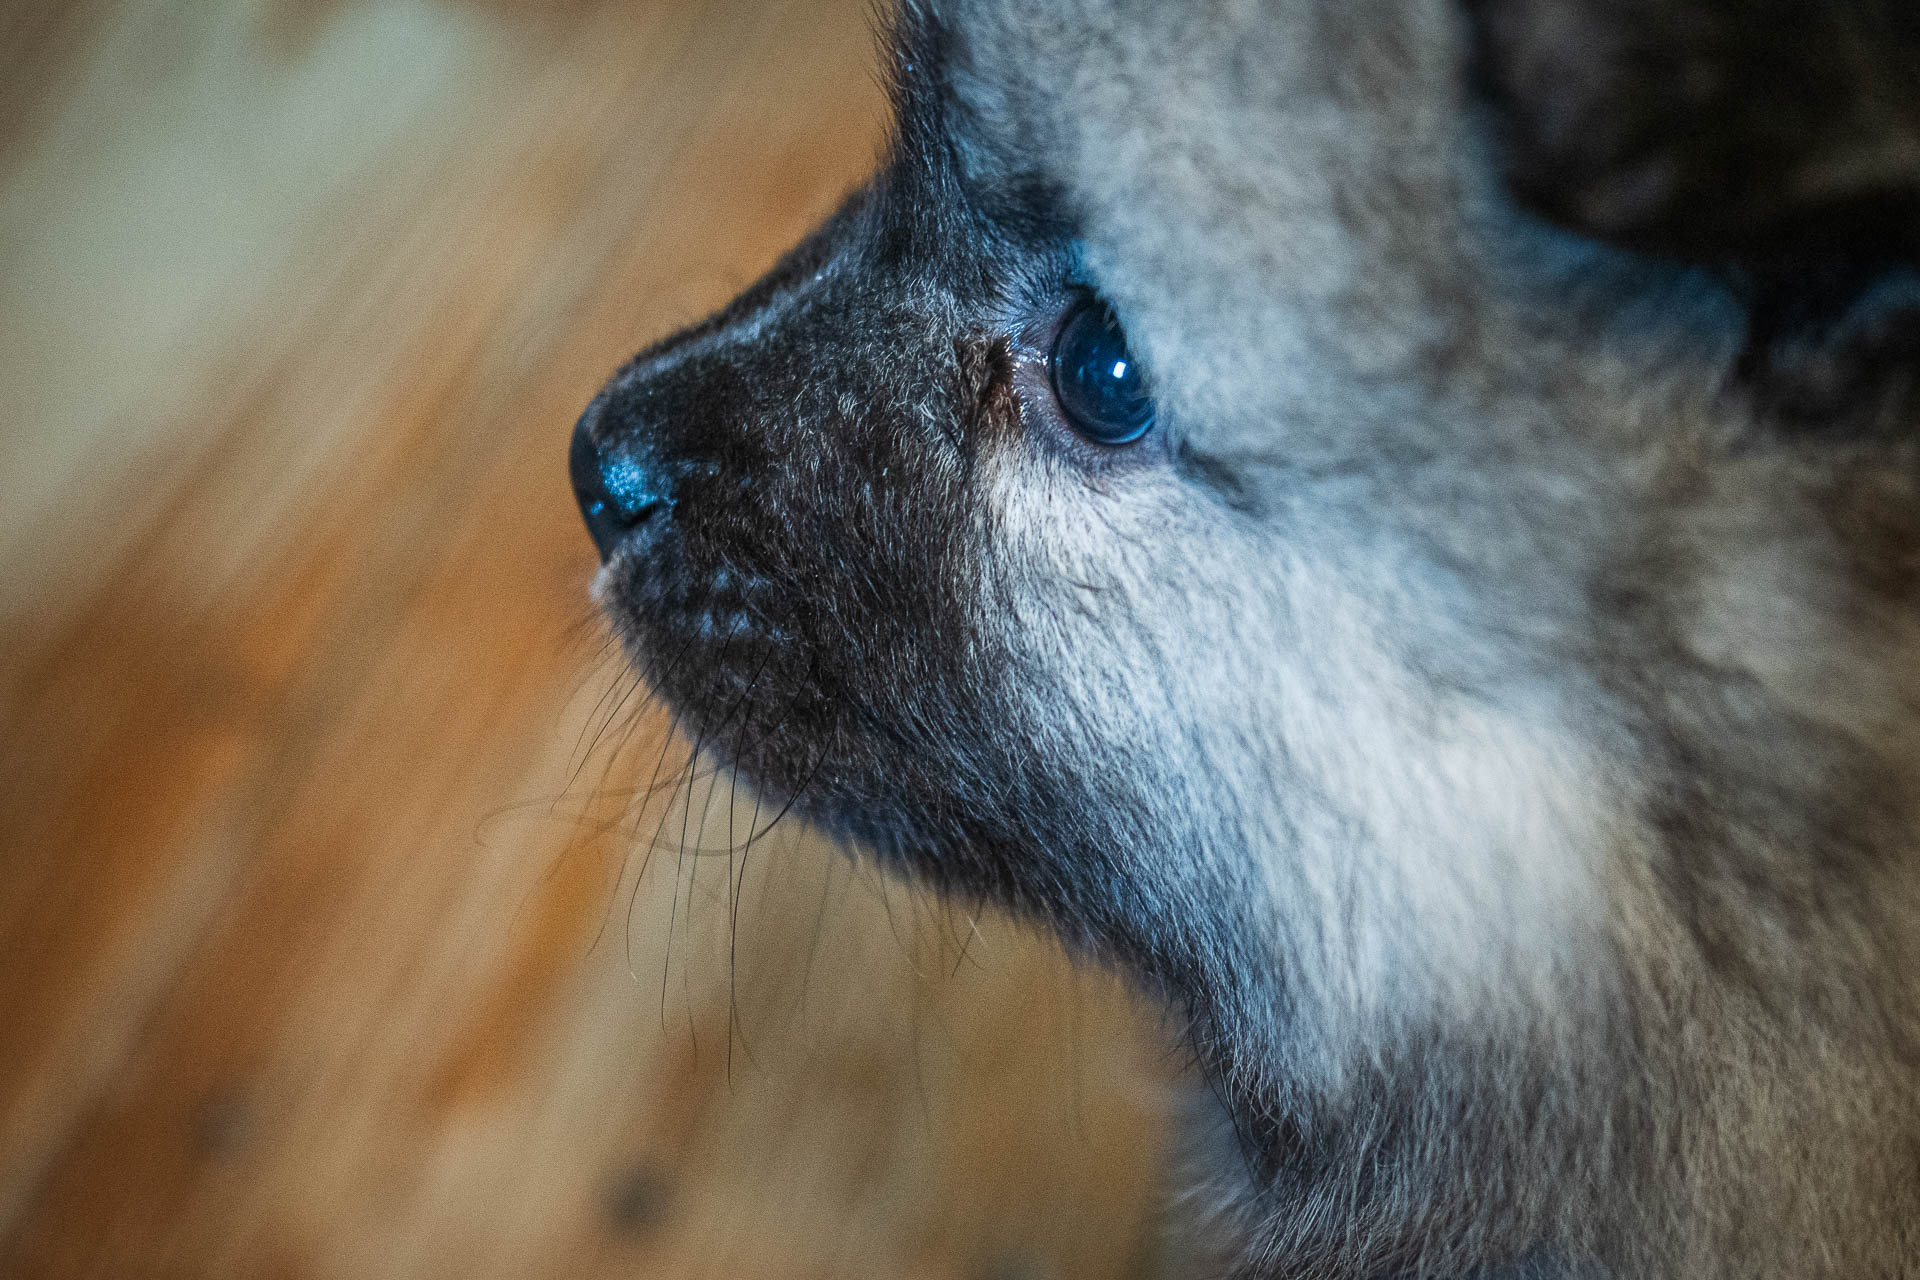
point(341, 932)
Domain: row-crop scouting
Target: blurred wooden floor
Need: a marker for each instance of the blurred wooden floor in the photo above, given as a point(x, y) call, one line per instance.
point(330, 942)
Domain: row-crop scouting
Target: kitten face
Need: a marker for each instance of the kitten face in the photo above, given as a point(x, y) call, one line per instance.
point(1164, 693)
point(1186, 498)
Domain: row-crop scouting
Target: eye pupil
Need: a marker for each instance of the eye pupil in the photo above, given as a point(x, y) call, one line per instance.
point(1096, 379)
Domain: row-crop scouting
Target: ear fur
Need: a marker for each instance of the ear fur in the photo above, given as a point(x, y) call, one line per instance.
point(1713, 129)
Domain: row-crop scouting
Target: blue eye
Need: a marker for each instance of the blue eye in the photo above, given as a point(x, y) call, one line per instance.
point(1096, 379)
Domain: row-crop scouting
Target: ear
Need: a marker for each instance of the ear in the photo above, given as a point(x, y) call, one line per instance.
point(1742, 130)
point(1777, 140)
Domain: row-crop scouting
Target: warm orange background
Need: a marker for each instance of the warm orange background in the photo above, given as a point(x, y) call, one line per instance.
point(330, 942)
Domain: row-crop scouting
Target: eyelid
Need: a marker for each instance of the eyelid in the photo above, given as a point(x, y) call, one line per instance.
point(1036, 333)
point(1044, 421)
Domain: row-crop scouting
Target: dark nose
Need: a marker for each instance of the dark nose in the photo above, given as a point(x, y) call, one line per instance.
point(617, 489)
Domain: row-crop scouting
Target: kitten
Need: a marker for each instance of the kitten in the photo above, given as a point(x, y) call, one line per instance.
point(1394, 522)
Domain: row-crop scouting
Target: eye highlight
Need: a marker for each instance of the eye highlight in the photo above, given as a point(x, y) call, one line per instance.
point(1099, 385)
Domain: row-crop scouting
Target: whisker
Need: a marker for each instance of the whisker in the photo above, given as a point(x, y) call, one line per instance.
point(633, 684)
point(646, 793)
point(973, 931)
point(736, 887)
point(673, 912)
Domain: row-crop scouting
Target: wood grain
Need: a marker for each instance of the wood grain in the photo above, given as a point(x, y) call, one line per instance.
point(358, 915)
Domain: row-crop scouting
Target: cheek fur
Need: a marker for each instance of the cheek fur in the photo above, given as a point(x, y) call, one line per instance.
point(1412, 847)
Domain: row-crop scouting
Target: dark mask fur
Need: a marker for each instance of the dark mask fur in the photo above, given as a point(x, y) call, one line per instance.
point(1485, 703)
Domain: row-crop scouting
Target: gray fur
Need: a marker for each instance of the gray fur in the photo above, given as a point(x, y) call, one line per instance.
point(1486, 718)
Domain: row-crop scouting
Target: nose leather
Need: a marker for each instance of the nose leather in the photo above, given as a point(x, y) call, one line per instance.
point(618, 490)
